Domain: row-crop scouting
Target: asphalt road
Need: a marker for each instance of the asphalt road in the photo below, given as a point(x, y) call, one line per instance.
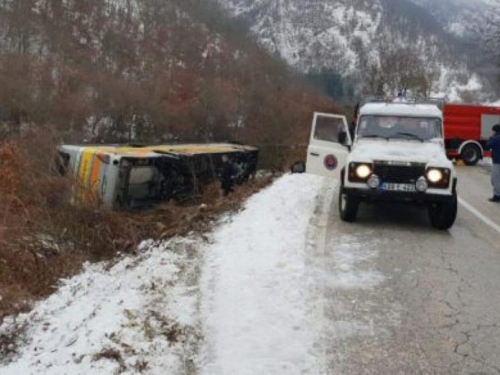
point(399, 297)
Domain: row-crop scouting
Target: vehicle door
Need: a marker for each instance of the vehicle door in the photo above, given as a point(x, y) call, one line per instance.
point(329, 145)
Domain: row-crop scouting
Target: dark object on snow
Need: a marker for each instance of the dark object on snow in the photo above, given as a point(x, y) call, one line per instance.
point(228, 175)
point(298, 167)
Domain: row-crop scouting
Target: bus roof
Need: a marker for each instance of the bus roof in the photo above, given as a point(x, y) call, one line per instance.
point(158, 150)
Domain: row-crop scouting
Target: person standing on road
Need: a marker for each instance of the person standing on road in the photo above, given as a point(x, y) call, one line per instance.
point(494, 145)
point(352, 129)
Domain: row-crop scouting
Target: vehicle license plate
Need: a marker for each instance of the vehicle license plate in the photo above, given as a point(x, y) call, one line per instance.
point(399, 187)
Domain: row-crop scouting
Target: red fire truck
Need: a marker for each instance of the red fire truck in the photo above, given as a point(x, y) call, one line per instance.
point(467, 129)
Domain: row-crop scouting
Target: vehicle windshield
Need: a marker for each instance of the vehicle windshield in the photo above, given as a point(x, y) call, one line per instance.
point(399, 127)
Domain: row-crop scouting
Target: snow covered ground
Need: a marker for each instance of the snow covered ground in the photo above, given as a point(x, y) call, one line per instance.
point(254, 286)
point(139, 315)
point(246, 299)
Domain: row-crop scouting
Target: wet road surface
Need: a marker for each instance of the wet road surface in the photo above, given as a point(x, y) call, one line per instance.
point(399, 297)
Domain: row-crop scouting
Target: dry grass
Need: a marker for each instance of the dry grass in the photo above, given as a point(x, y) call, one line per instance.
point(44, 238)
point(112, 355)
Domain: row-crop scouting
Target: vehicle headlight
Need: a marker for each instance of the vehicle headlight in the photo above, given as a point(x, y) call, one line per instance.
point(363, 171)
point(360, 172)
point(438, 178)
point(434, 175)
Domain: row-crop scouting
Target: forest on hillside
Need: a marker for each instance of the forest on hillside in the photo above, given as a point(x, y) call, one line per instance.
point(144, 70)
point(128, 71)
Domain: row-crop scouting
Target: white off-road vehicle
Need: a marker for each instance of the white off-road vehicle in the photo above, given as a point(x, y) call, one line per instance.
point(397, 155)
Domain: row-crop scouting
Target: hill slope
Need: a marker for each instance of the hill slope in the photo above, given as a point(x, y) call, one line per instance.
point(139, 70)
point(360, 40)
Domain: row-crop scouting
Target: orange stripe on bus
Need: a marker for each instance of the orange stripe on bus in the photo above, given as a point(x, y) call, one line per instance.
point(96, 168)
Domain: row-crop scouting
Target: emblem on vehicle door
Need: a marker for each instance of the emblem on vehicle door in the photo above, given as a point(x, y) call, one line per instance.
point(331, 162)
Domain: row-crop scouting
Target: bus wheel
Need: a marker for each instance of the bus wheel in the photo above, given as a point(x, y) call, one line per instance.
point(470, 154)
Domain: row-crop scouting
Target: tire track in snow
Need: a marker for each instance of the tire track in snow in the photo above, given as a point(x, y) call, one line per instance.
point(316, 254)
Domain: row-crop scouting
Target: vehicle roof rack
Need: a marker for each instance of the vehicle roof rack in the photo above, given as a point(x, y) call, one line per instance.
point(439, 102)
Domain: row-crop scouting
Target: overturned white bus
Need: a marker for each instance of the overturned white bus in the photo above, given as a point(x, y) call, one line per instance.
point(126, 177)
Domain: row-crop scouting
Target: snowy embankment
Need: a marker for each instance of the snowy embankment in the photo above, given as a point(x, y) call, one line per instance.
point(151, 314)
point(255, 304)
point(138, 316)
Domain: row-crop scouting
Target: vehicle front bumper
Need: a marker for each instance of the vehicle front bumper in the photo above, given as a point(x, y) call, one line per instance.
point(374, 195)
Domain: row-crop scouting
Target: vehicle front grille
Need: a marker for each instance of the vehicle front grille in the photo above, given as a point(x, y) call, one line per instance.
point(400, 174)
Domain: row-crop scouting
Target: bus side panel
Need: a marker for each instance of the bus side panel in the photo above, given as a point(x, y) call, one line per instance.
point(109, 183)
point(95, 175)
point(84, 174)
point(86, 167)
point(76, 163)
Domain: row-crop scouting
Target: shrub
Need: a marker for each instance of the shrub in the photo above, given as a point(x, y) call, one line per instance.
point(44, 238)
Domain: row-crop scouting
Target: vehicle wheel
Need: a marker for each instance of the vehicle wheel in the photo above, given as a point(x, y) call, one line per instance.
point(470, 154)
point(443, 214)
point(348, 206)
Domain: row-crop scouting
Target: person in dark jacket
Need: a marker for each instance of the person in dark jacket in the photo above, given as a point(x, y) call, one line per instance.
point(494, 145)
point(352, 129)
point(227, 176)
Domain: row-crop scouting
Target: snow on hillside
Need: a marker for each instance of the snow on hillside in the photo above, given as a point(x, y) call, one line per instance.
point(454, 87)
point(463, 18)
point(347, 37)
point(296, 32)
